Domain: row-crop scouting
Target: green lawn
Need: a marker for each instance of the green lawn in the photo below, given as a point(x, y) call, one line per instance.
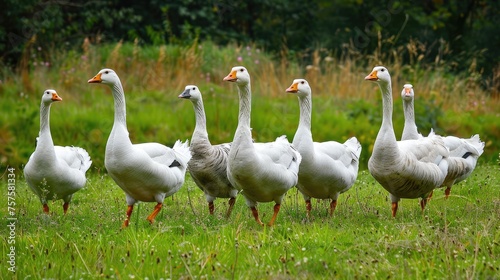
point(454, 238)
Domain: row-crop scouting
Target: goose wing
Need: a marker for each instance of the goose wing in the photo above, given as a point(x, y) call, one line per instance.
point(178, 155)
point(460, 147)
point(280, 152)
point(75, 157)
point(428, 149)
point(346, 153)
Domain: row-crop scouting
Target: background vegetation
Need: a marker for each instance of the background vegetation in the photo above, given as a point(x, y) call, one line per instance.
point(460, 35)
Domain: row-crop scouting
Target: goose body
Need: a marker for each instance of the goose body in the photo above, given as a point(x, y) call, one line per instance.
point(146, 172)
point(208, 164)
point(55, 172)
point(327, 168)
point(464, 153)
point(264, 172)
point(409, 168)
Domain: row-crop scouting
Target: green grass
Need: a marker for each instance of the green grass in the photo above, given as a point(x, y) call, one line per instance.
point(457, 238)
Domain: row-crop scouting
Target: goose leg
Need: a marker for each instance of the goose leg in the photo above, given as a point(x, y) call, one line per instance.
point(45, 208)
point(255, 214)
point(394, 209)
point(308, 208)
point(333, 205)
point(65, 207)
point(155, 212)
point(447, 192)
point(276, 210)
point(430, 196)
point(129, 213)
point(232, 200)
point(423, 202)
point(211, 207)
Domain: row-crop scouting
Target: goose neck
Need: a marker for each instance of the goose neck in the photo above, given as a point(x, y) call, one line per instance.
point(409, 113)
point(303, 140)
point(245, 96)
point(386, 89)
point(44, 142)
point(305, 104)
point(120, 106)
point(200, 130)
point(386, 139)
point(243, 134)
point(44, 119)
point(385, 148)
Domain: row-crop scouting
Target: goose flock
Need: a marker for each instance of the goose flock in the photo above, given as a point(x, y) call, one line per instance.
point(261, 172)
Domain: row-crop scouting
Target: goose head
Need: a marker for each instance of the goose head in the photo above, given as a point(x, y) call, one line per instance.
point(105, 76)
point(299, 87)
point(239, 74)
point(191, 92)
point(407, 93)
point(49, 96)
point(380, 75)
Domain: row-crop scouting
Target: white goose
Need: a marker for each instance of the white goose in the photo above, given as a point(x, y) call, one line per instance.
point(464, 153)
point(55, 172)
point(264, 172)
point(327, 168)
point(146, 172)
point(208, 164)
point(406, 169)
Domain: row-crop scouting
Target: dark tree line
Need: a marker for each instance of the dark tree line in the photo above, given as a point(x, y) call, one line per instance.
point(464, 32)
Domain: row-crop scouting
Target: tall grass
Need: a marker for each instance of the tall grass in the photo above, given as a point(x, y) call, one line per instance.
point(344, 104)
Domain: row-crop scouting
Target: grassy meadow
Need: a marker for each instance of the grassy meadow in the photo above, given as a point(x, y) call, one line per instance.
point(453, 238)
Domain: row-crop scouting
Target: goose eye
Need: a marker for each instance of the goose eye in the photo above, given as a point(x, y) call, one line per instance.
point(106, 72)
point(302, 82)
point(242, 70)
point(194, 88)
point(47, 92)
point(382, 69)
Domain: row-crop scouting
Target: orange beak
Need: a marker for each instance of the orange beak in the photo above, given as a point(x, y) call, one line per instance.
point(96, 79)
point(407, 91)
point(56, 97)
point(293, 88)
point(372, 76)
point(231, 77)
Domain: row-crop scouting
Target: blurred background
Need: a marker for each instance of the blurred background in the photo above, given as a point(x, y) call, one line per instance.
point(462, 33)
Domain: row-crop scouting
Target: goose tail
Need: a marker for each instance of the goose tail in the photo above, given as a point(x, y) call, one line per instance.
point(182, 152)
point(476, 144)
point(84, 157)
point(355, 147)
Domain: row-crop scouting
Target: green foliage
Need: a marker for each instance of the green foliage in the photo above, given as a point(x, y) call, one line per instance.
point(455, 237)
point(458, 35)
point(427, 114)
